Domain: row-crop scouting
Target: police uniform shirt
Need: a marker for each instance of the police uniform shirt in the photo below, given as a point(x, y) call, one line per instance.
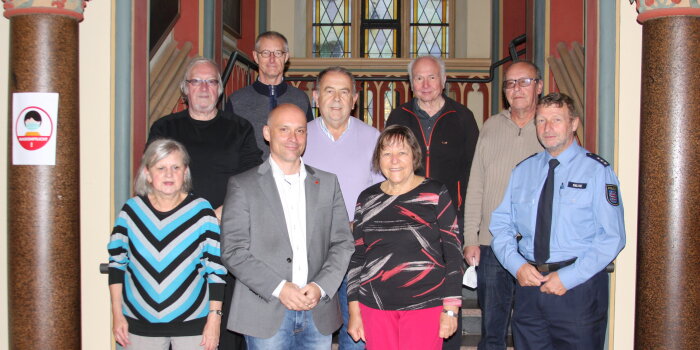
point(587, 214)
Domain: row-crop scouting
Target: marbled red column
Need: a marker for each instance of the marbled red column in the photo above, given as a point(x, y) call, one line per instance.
point(668, 262)
point(43, 201)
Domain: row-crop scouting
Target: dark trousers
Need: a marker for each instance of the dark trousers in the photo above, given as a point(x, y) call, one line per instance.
point(229, 340)
point(495, 294)
point(575, 320)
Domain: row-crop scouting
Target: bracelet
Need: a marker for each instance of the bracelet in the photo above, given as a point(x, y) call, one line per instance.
point(218, 312)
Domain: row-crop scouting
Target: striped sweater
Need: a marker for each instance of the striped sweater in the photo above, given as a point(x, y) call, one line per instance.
point(169, 264)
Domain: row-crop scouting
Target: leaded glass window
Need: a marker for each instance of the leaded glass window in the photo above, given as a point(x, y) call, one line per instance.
point(331, 28)
point(429, 28)
point(381, 29)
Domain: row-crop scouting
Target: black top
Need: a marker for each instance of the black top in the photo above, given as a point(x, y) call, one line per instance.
point(408, 249)
point(219, 148)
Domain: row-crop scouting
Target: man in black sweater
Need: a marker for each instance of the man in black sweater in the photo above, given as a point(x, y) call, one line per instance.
point(220, 144)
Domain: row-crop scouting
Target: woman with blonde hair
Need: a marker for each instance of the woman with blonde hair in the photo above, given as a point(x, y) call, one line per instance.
point(165, 273)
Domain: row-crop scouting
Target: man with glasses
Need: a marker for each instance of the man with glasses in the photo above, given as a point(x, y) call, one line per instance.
point(255, 101)
point(220, 145)
point(505, 140)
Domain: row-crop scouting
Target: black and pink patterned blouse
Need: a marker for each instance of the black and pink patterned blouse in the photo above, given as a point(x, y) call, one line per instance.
point(408, 249)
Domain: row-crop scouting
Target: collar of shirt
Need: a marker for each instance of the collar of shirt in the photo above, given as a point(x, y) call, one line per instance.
point(326, 132)
point(565, 157)
point(423, 114)
point(267, 90)
point(278, 174)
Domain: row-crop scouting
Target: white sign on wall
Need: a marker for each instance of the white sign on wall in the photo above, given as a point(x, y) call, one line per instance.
point(34, 126)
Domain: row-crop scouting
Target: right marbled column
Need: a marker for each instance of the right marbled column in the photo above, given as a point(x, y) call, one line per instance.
point(668, 262)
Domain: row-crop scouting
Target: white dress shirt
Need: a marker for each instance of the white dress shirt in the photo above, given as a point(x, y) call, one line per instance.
point(292, 193)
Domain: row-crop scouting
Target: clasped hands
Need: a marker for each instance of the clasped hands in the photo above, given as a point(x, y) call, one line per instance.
point(528, 276)
point(300, 299)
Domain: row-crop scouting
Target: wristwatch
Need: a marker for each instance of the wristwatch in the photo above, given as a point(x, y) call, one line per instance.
point(218, 312)
point(450, 313)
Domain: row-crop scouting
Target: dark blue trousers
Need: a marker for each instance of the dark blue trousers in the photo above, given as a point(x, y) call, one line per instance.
point(495, 293)
point(575, 320)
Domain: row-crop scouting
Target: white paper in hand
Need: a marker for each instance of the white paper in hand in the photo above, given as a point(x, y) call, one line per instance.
point(469, 278)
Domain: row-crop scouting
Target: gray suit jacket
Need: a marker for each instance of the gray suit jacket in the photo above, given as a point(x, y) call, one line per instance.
point(255, 247)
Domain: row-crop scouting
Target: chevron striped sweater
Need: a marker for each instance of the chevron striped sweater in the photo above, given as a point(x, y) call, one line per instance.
point(169, 264)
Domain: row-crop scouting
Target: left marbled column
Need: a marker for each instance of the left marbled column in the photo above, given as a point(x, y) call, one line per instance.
point(44, 200)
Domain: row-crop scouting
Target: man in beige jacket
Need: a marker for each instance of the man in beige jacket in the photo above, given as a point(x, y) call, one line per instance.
point(504, 140)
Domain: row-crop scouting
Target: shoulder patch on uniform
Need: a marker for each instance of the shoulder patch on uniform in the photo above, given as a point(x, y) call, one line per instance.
point(597, 158)
point(534, 154)
point(611, 194)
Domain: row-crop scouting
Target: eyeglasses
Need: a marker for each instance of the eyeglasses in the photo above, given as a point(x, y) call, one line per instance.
point(198, 82)
point(522, 82)
point(267, 53)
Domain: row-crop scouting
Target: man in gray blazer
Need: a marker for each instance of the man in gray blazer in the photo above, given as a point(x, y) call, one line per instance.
point(285, 237)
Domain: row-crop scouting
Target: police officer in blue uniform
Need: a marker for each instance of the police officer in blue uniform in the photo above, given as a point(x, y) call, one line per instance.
point(565, 204)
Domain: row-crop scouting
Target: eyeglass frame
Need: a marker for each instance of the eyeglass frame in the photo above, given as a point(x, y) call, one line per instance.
point(199, 82)
point(520, 82)
point(268, 53)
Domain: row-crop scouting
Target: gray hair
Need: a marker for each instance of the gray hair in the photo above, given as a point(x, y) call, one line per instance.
point(195, 61)
point(336, 69)
point(271, 34)
point(538, 73)
point(155, 152)
point(437, 60)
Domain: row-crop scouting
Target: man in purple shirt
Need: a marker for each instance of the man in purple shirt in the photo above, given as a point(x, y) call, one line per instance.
point(343, 145)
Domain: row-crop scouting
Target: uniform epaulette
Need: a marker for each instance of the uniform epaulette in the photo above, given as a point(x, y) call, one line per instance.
point(534, 154)
point(598, 158)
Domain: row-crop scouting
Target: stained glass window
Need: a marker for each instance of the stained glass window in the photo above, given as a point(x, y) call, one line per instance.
point(429, 28)
point(384, 26)
point(331, 28)
point(381, 29)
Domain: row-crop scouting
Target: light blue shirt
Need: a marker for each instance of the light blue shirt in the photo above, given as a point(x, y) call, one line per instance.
point(587, 215)
point(327, 132)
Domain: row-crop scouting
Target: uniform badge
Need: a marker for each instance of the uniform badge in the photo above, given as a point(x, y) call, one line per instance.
point(612, 195)
point(578, 185)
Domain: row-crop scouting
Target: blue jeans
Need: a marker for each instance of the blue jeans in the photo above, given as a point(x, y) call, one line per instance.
point(345, 341)
point(495, 290)
point(297, 331)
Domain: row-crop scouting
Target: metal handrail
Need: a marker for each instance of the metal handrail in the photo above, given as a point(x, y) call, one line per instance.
point(236, 56)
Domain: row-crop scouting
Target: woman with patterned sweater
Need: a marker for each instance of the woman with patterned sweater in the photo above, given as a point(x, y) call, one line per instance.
point(404, 279)
point(165, 273)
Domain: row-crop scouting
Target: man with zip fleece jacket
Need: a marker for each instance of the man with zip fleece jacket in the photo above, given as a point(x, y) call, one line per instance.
point(445, 129)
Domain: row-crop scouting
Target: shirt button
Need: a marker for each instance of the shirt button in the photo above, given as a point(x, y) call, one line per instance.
point(289, 260)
